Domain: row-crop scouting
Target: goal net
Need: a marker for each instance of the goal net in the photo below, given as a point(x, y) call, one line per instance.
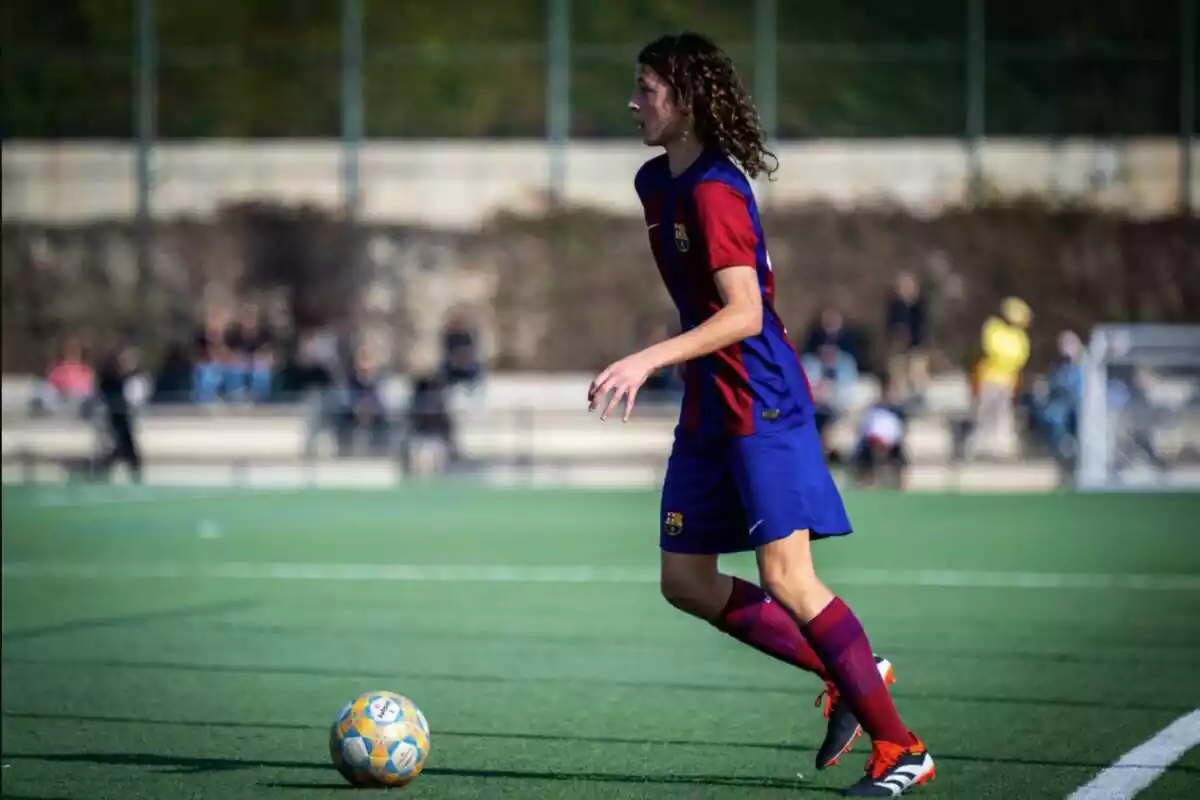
point(1139, 420)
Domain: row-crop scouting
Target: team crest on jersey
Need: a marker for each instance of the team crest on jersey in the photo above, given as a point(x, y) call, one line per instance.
point(674, 523)
point(682, 242)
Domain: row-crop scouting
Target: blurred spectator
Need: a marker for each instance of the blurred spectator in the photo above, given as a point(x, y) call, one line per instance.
point(833, 375)
point(252, 356)
point(312, 367)
point(906, 326)
point(310, 377)
point(461, 359)
point(70, 381)
point(430, 423)
point(1054, 412)
point(363, 411)
point(1005, 341)
point(214, 375)
point(113, 390)
point(880, 446)
point(173, 380)
point(831, 329)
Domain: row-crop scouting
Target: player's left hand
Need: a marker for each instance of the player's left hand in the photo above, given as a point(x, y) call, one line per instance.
point(622, 380)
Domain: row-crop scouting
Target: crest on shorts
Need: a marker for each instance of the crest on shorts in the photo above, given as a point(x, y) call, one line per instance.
point(682, 242)
point(674, 523)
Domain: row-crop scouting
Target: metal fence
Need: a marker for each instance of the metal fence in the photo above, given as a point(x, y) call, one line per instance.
point(355, 71)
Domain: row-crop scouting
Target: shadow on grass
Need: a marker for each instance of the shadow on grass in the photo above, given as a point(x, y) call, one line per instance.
point(122, 620)
point(190, 765)
point(174, 764)
point(342, 674)
point(803, 751)
point(789, 784)
point(439, 733)
point(1182, 655)
point(609, 777)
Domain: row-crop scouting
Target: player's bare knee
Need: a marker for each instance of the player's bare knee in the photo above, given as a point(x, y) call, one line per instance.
point(674, 591)
point(789, 582)
point(686, 592)
point(788, 575)
point(691, 584)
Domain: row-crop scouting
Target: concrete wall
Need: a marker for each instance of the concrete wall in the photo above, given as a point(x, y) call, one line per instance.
point(459, 184)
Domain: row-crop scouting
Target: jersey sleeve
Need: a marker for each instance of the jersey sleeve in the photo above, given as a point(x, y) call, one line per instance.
point(724, 220)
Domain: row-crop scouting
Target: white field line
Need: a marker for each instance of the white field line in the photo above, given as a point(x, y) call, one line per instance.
point(1139, 768)
point(472, 573)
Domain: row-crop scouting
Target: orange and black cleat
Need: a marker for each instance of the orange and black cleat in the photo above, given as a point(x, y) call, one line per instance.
point(843, 727)
point(893, 769)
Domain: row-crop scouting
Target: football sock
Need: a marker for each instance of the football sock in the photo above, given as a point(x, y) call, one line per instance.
point(838, 638)
point(753, 618)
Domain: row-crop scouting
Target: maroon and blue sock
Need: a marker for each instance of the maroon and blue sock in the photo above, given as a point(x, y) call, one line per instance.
point(755, 619)
point(838, 638)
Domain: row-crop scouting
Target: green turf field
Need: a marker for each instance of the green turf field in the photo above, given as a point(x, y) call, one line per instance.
point(177, 646)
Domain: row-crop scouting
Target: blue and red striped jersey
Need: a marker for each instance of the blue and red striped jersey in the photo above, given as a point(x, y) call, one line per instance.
point(699, 223)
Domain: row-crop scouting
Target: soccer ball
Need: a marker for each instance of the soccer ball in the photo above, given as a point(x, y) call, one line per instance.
point(379, 739)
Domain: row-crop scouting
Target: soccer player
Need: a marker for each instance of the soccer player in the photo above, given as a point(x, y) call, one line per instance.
point(746, 471)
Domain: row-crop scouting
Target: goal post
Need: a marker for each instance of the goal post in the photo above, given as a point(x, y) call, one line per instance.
point(1139, 418)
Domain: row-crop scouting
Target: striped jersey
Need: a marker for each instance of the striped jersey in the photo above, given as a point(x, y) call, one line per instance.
point(699, 223)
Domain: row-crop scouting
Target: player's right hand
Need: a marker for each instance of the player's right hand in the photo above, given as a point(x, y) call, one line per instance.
point(619, 381)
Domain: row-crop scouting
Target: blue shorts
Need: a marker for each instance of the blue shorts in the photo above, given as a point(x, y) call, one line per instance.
point(729, 494)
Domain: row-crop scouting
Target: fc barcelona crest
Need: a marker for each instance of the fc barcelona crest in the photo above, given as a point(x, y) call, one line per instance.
point(674, 523)
point(682, 243)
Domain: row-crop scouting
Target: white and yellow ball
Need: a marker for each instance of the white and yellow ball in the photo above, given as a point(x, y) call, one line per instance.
point(380, 739)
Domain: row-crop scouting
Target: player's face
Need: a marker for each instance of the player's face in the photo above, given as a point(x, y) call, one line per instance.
point(654, 110)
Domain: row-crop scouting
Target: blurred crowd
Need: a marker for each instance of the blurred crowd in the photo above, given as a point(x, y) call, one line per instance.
point(1010, 411)
point(235, 357)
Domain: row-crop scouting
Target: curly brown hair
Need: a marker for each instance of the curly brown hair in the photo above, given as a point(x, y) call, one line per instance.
point(707, 85)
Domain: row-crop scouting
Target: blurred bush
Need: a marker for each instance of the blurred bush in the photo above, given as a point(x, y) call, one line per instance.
point(574, 290)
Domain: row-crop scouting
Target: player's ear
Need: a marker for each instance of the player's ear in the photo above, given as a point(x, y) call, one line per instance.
point(683, 104)
point(678, 99)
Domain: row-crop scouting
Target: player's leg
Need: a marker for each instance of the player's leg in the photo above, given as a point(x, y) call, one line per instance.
point(834, 633)
point(899, 760)
point(702, 517)
point(787, 489)
point(693, 584)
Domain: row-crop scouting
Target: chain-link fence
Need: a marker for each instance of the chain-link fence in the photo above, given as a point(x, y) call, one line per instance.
point(333, 74)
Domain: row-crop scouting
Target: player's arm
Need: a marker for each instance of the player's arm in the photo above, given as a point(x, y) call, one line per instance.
point(740, 317)
point(731, 253)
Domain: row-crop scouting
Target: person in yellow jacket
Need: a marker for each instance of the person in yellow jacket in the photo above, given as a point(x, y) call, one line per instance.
point(1005, 353)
